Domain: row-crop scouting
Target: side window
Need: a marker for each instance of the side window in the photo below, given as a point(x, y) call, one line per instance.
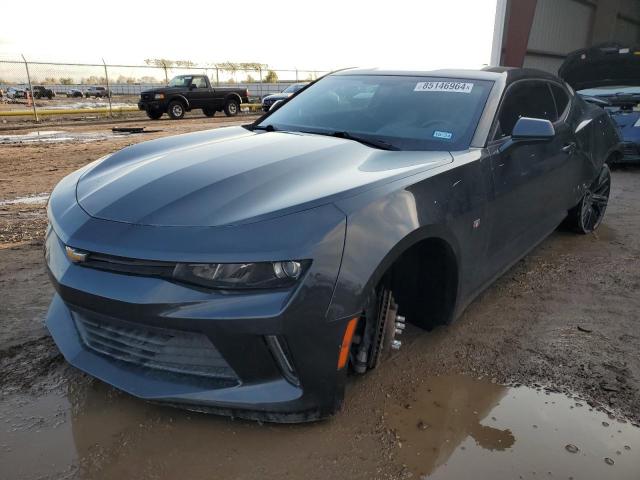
point(525, 99)
point(561, 97)
point(199, 82)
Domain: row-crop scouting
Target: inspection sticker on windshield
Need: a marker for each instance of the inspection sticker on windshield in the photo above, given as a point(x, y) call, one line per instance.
point(445, 135)
point(456, 87)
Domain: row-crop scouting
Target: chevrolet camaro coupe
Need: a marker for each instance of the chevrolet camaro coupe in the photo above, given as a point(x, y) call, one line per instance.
point(246, 270)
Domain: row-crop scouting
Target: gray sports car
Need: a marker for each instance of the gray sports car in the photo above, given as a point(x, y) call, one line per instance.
point(246, 270)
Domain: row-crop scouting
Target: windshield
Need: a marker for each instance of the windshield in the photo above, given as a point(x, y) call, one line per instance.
point(293, 88)
point(181, 81)
point(406, 112)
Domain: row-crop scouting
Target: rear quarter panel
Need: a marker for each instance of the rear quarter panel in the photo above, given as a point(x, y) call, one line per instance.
point(597, 137)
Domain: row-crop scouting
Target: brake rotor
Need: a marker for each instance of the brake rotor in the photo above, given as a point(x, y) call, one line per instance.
point(385, 328)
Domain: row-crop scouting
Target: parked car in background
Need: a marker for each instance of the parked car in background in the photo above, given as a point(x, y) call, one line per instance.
point(608, 75)
point(16, 92)
point(97, 92)
point(191, 92)
point(269, 100)
point(40, 91)
point(74, 93)
point(244, 270)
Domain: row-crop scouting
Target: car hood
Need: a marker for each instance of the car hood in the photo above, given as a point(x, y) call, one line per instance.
point(166, 90)
point(277, 96)
point(607, 64)
point(232, 175)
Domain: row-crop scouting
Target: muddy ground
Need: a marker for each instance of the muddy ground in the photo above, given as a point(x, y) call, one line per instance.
point(564, 321)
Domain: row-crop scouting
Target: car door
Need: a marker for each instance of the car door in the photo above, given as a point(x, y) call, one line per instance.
point(520, 215)
point(198, 92)
point(573, 159)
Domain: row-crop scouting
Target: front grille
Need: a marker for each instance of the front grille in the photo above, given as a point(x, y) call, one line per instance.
point(146, 96)
point(129, 266)
point(169, 350)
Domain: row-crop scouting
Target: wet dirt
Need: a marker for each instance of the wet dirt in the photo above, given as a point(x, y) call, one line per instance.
point(452, 427)
point(565, 318)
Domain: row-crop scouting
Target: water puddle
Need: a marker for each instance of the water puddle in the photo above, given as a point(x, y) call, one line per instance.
point(457, 427)
point(37, 199)
point(451, 428)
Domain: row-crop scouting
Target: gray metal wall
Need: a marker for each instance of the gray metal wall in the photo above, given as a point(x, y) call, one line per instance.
point(561, 26)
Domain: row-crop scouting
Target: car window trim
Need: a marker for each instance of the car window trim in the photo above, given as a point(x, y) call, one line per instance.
point(565, 113)
point(492, 133)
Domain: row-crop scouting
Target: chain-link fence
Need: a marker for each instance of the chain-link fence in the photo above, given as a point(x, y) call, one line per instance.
point(29, 88)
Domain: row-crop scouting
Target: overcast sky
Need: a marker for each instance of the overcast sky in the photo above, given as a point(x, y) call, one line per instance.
point(321, 34)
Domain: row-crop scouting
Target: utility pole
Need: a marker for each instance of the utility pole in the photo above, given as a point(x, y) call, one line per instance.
point(106, 75)
point(33, 100)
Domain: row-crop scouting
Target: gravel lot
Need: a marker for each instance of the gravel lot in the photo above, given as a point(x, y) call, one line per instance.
point(564, 320)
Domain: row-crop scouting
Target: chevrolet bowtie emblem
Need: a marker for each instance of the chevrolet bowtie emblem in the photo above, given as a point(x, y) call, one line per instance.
point(75, 255)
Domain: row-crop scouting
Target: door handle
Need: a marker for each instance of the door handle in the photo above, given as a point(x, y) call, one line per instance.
point(569, 147)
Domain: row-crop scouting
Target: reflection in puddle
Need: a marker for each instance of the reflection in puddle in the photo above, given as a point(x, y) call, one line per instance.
point(457, 427)
point(451, 427)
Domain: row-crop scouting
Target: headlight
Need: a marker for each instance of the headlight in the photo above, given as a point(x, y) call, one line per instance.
point(158, 96)
point(241, 275)
point(637, 124)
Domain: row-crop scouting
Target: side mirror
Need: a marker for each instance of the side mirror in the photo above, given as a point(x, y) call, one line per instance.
point(276, 105)
point(533, 129)
point(192, 86)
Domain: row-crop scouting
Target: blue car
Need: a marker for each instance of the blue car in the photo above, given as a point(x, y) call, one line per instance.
point(269, 100)
point(608, 75)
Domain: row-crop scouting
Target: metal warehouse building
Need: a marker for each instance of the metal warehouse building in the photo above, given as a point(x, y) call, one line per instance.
point(539, 33)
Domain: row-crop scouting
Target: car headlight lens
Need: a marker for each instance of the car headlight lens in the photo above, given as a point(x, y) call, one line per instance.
point(158, 96)
point(241, 275)
point(637, 124)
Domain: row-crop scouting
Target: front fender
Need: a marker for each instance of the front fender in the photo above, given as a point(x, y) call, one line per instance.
point(182, 98)
point(445, 204)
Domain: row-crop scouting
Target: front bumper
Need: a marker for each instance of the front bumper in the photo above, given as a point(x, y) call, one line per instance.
point(631, 153)
point(151, 106)
point(100, 320)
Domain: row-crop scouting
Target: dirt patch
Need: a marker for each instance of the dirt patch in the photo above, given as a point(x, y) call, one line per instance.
point(565, 317)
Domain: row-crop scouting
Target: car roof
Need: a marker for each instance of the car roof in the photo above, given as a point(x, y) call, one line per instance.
point(507, 74)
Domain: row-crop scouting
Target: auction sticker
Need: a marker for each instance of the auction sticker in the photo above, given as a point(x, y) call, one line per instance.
point(456, 87)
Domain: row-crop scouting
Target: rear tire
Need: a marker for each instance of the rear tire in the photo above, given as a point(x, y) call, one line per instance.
point(587, 215)
point(176, 110)
point(231, 108)
point(154, 115)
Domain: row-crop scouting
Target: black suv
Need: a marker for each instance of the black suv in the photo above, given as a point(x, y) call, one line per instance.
point(189, 92)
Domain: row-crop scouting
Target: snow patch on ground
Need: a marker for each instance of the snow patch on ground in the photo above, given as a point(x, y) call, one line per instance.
point(27, 200)
point(56, 136)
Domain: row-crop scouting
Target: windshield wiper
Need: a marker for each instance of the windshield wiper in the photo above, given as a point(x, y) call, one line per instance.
point(266, 128)
point(370, 142)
